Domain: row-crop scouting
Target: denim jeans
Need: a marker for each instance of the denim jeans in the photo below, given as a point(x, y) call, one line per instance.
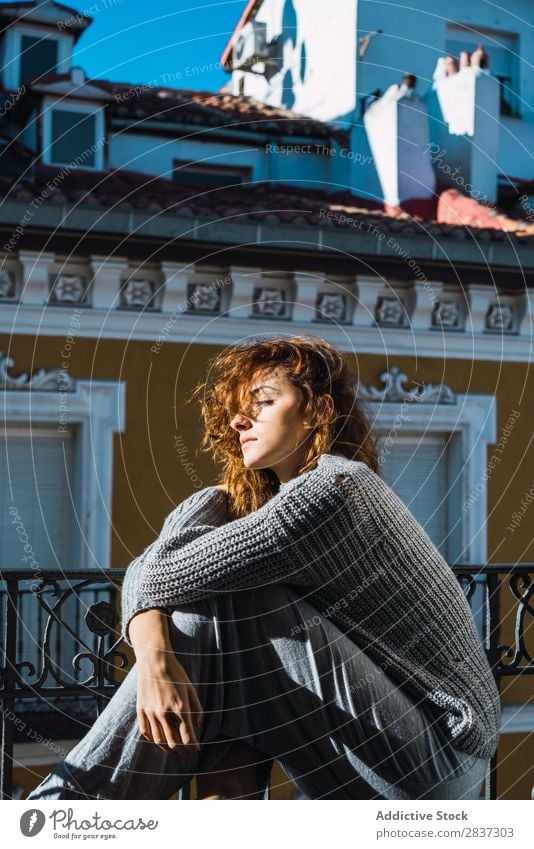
point(269, 669)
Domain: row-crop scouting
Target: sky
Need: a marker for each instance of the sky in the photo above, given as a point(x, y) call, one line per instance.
point(172, 43)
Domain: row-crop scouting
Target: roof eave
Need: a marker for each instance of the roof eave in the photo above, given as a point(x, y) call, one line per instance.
point(65, 218)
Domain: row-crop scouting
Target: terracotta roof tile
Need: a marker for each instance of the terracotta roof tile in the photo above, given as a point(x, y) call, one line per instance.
point(210, 109)
point(489, 222)
point(227, 110)
point(140, 101)
point(276, 203)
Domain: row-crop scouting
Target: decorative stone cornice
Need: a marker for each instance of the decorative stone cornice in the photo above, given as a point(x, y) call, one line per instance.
point(394, 390)
point(42, 380)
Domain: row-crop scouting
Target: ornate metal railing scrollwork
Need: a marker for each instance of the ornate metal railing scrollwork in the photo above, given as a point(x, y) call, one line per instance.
point(58, 599)
point(56, 643)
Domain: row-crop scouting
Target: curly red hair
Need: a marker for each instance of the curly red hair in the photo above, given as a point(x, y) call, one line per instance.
point(316, 369)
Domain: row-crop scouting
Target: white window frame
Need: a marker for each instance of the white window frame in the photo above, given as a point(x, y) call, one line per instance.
point(70, 105)
point(97, 407)
point(41, 430)
point(471, 422)
point(411, 437)
point(12, 52)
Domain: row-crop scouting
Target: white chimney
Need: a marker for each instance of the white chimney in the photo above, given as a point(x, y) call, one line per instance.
point(397, 130)
point(465, 134)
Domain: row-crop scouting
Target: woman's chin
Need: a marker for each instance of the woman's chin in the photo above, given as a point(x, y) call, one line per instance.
point(254, 459)
point(251, 463)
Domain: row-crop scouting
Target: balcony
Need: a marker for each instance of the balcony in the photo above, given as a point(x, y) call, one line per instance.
point(62, 656)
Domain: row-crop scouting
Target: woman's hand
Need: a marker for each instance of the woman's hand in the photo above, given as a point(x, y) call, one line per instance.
point(167, 703)
point(168, 707)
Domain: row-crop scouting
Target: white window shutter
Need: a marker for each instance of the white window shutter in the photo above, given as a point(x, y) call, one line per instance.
point(416, 469)
point(36, 480)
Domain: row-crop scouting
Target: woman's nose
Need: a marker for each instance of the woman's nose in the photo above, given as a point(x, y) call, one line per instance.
point(239, 422)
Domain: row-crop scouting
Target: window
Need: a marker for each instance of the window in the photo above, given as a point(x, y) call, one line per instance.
point(32, 52)
point(38, 56)
point(502, 50)
point(38, 521)
point(435, 456)
point(60, 470)
point(422, 470)
point(55, 506)
point(417, 469)
point(435, 449)
point(195, 174)
point(37, 515)
point(73, 135)
point(36, 477)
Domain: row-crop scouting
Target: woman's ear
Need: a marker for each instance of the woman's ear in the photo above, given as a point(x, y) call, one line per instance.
point(329, 404)
point(325, 409)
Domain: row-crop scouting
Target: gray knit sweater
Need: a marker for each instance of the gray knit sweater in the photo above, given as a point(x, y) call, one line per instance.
point(341, 538)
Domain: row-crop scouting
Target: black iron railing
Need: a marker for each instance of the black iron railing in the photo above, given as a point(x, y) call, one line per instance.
point(58, 643)
point(59, 640)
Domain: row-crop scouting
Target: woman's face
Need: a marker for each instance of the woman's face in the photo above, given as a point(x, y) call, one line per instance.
point(274, 430)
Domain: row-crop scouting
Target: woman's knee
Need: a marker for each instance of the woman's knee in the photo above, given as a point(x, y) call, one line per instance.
point(190, 620)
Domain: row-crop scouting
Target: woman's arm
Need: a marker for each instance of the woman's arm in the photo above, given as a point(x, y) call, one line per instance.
point(203, 509)
point(280, 542)
point(168, 706)
point(149, 634)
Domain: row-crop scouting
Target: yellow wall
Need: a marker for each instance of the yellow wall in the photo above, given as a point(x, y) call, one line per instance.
point(149, 479)
point(147, 467)
point(515, 777)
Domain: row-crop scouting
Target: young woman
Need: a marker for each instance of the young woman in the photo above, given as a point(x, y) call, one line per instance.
point(295, 612)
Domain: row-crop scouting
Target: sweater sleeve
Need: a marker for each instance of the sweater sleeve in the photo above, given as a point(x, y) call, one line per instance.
point(280, 542)
point(196, 515)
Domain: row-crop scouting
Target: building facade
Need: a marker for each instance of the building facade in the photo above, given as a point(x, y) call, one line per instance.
point(145, 228)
